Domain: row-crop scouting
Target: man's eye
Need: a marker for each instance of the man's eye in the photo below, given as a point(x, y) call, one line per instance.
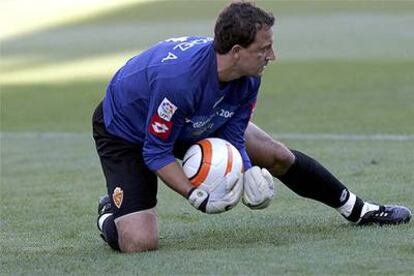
point(266, 49)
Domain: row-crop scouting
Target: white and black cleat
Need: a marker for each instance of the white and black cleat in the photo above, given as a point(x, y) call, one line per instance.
point(386, 215)
point(104, 207)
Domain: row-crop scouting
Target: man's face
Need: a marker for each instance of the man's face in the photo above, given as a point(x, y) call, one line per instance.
point(254, 59)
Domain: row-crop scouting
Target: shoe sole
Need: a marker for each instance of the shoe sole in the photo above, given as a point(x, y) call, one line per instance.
point(401, 221)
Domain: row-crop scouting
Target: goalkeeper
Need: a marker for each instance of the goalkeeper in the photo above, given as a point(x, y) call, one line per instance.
point(185, 89)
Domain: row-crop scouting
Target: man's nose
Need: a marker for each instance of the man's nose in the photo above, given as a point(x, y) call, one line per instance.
point(272, 56)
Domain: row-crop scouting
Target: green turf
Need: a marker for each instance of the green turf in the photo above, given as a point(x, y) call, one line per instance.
point(51, 182)
point(189, 10)
point(378, 96)
point(345, 68)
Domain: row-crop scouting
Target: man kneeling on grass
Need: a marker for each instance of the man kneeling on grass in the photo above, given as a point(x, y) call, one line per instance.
point(170, 96)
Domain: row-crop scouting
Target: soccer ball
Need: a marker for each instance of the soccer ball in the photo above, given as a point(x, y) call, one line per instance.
point(210, 159)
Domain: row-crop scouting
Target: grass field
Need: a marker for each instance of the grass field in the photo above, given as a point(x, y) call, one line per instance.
point(342, 91)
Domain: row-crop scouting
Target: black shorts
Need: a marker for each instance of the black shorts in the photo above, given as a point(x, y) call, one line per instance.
point(131, 185)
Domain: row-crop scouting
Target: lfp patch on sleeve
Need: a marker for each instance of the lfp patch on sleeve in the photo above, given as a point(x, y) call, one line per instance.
point(166, 109)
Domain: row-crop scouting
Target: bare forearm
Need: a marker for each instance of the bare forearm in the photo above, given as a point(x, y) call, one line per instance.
point(173, 175)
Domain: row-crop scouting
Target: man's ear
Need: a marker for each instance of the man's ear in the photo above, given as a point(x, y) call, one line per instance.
point(235, 51)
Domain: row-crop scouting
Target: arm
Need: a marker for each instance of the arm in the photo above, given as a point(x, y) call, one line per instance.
point(166, 117)
point(173, 175)
point(220, 198)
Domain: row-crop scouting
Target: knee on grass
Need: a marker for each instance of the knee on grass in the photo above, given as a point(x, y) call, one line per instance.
point(136, 244)
point(138, 232)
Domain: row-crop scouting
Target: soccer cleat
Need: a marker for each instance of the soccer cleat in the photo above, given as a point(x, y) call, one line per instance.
point(386, 214)
point(104, 207)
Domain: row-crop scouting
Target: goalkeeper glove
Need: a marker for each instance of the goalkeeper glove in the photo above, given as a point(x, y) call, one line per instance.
point(222, 195)
point(259, 188)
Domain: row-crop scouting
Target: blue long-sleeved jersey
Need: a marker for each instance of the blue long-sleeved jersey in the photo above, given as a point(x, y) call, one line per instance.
point(171, 92)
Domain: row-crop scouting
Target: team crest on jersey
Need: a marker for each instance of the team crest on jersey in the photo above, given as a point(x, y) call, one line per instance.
point(166, 109)
point(117, 197)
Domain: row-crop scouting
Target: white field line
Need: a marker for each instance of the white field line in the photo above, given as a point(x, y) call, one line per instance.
point(289, 136)
point(344, 137)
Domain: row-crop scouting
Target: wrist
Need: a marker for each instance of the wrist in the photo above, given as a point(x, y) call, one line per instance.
point(198, 198)
point(190, 191)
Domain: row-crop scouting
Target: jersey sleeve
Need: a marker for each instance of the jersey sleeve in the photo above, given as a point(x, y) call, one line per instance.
point(233, 131)
point(166, 116)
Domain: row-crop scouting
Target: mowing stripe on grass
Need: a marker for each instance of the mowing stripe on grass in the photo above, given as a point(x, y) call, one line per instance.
point(290, 136)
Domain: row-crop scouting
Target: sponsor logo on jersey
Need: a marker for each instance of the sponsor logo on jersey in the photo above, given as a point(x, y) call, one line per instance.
point(117, 197)
point(200, 121)
point(160, 127)
point(166, 109)
point(200, 131)
point(225, 113)
point(218, 101)
point(177, 39)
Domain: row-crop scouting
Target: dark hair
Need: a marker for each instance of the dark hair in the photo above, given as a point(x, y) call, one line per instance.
point(238, 23)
